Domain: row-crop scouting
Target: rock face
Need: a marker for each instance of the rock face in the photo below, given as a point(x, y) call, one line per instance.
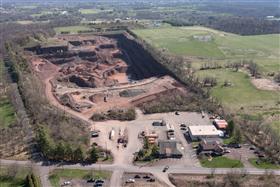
point(79, 81)
point(141, 64)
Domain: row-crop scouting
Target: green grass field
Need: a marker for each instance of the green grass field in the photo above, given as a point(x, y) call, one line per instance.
point(264, 49)
point(221, 162)
point(93, 11)
point(41, 14)
point(71, 29)
point(276, 126)
point(263, 164)
point(76, 174)
point(242, 93)
point(7, 115)
point(17, 181)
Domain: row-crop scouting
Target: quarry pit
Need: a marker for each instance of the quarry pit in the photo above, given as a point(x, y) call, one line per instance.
point(97, 73)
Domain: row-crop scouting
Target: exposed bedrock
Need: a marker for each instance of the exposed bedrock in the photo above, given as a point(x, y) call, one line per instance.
point(82, 82)
point(141, 63)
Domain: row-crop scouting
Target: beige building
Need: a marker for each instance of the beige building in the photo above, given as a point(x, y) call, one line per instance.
point(199, 132)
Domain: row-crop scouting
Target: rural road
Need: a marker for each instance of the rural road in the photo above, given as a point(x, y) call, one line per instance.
point(117, 170)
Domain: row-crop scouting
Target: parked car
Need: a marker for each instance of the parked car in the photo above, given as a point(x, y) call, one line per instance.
point(99, 181)
point(216, 154)
point(183, 128)
point(66, 183)
point(146, 177)
point(130, 181)
point(137, 177)
point(183, 125)
point(158, 123)
point(94, 134)
point(91, 180)
point(256, 152)
point(252, 148)
point(98, 185)
point(260, 155)
point(226, 151)
point(234, 145)
point(151, 180)
point(165, 168)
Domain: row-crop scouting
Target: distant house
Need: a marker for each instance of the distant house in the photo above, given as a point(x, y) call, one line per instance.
point(220, 124)
point(198, 132)
point(169, 149)
point(210, 146)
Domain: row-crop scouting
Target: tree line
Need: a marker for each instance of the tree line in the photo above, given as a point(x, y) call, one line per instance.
point(232, 24)
point(63, 151)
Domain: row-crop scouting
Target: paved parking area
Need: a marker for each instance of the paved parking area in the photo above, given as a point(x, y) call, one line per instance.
point(141, 180)
point(144, 123)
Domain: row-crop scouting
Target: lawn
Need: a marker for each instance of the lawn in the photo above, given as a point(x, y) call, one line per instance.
point(7, 115)
point(71, 29)
point(263, 49)
point(262, 164)
point(221, 162)
point(276, 126)
point(242, 93)
point(17, 181)
point(76, 173)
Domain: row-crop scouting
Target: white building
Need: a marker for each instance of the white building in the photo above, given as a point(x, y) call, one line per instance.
point(202, 131)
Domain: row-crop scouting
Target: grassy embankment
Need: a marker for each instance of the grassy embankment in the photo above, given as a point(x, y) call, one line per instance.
point(7, 114)
point(262, 164)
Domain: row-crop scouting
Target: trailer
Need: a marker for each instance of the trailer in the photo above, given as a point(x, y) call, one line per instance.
point(112, 134)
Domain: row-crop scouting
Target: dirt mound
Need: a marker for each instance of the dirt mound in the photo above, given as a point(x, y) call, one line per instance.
point(266, 84)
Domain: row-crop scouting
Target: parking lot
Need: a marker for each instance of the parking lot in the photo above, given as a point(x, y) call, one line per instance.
point(144, 123)
point(141, 180)
point(84, 183)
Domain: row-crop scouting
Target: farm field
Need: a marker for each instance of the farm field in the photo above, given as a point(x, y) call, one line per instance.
point(71, 29)
point(208, 43)
point(242, 93)
point(93, 11)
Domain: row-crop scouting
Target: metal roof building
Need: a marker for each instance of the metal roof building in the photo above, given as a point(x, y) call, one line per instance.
point(199, 132)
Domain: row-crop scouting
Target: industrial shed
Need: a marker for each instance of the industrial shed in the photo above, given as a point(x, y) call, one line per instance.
point(199, 132)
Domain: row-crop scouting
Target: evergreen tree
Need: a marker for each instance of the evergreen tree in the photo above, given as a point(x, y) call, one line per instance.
point(60, 151)
point(155, 151)
point(237, 136)
point(78, 155)
point(29, 181)
point(230, 128)
point(93, 156)
point(35, 180)
point(68, 155)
